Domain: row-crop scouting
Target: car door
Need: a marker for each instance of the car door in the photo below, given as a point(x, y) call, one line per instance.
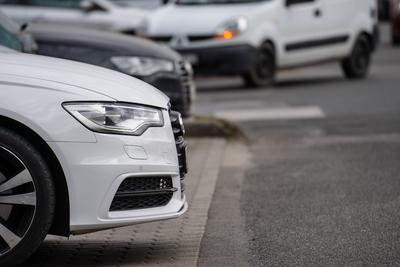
point(339, 17)
point(301, 28)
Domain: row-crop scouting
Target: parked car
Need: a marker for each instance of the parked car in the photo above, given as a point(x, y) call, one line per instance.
point(395, 21)
point(100, 14)
point(151, 62)
point(255, 38)
point(82, 148)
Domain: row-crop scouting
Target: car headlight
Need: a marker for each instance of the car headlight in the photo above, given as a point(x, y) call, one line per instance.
point(115, 118)
point(142, 66)
point(232, 28)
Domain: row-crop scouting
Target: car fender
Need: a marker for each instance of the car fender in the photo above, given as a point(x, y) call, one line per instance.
point(40, 108)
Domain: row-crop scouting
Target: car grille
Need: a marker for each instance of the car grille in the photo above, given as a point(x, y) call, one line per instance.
point(190, 38)
point(164, 39)
point(151, 192)
point(142, 193)
point(186, 72)
point(179, 132)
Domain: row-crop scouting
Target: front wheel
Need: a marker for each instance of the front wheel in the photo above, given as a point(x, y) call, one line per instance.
point(27, 198)
point(263, 70)
point(356, 66)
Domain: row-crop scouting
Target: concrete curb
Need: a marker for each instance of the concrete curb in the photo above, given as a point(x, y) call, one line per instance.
point(202, 126)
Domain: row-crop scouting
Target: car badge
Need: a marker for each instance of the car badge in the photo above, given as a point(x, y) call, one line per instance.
point(179, 41)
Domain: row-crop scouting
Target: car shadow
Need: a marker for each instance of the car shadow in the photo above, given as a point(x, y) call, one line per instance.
point(309, 82)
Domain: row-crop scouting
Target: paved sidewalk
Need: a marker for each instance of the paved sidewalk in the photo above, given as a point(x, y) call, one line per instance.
point(166, 243)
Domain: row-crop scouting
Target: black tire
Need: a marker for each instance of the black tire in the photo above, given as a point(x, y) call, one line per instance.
point(264, 68)
point(395, 39)
point(29, 218)
point(356, 66)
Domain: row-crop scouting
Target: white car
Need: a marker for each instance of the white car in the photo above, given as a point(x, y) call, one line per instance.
point(99, 14)
point(253, 38)
point(82, 149)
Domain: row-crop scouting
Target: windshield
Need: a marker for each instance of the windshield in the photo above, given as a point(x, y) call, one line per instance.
point(147, 4)
point(45, 3)
point(9, 40)
point(209, 2)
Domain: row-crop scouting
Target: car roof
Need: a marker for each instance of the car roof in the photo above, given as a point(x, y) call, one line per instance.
point(122, 44)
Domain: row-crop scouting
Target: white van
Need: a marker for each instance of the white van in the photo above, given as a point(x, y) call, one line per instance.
point(253, 38)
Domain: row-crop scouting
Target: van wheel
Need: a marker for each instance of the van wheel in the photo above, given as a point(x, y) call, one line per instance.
point(356, 66)
point(264, 68)
point(27, 198)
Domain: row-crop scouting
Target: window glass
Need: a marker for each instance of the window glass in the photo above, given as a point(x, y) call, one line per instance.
point(9, 40)
point(148, 4)
point(45, 3)
point(220, 2)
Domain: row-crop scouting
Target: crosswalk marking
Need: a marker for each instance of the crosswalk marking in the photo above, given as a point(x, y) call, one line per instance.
point(278, 113)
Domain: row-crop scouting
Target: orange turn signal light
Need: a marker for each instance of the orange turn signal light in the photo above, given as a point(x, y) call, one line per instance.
point(226, 35)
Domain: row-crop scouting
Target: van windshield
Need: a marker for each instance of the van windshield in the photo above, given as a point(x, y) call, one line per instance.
point(218, 2)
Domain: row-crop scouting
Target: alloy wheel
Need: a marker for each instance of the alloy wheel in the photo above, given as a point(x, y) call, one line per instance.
point(17, 200)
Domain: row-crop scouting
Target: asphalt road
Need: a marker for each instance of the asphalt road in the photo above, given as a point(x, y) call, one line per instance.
point(322, 184)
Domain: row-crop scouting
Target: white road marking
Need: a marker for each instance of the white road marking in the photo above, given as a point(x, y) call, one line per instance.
point(279, 113)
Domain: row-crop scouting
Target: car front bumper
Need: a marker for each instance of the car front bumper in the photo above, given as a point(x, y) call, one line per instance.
point(230, 59)
point(95, 172)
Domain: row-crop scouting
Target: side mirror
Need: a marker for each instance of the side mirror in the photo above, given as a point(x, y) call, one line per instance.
point(28, 43)
point(23, 27)
point(289, 3)
point(88, 6)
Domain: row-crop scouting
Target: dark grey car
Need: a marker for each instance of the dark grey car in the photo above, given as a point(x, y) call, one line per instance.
point(155, 64)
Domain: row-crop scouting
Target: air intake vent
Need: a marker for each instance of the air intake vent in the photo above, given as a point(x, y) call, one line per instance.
point(142, 193)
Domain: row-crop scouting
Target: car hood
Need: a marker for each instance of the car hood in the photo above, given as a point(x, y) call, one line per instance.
point(86, 78)
point(121, 44)
point(195, 19)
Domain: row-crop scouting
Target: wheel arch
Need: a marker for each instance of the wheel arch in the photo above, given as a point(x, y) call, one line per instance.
point(271, 42)
point(60, 225)
point(371, 39)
